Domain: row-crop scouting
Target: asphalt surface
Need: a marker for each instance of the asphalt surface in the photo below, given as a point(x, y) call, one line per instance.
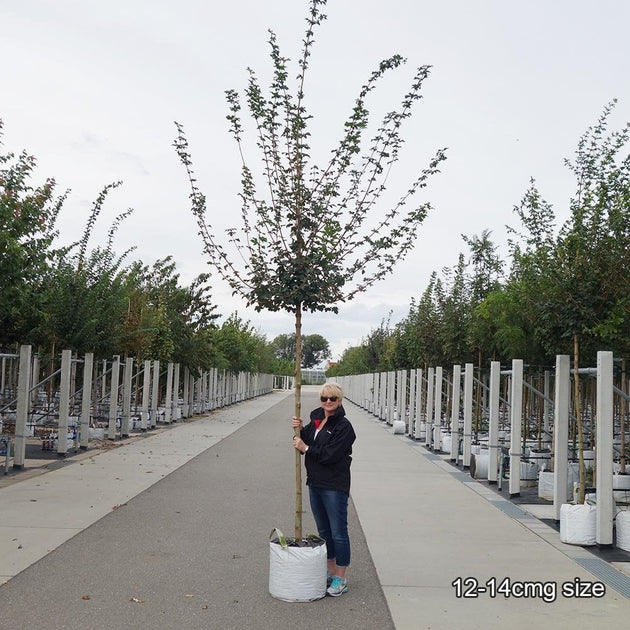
point(171, 530)
point(192, 551)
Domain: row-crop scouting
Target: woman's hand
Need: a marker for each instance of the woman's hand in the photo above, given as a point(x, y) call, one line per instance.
point(299, 444)
point(297, 423)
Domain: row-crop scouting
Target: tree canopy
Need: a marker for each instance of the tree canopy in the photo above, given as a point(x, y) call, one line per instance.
point(566, 282)
point(311, 236)
point(89, 298)
point(315, 349)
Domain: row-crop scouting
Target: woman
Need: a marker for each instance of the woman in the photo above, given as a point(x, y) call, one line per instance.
point(326, 442)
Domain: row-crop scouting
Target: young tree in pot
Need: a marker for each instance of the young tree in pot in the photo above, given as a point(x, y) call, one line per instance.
point(577, 283)
point(307, 245)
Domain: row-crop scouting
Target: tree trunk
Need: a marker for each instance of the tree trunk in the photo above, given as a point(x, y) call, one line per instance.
point(297, 413)
point(578, 415)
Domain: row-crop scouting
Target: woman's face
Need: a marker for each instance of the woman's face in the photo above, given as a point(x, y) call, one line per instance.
point(330, 405)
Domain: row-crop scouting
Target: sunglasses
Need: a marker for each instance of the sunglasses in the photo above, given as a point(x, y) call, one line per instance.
point(331, 398)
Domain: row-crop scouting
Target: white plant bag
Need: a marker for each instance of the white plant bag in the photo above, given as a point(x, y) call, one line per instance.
point(545, 485)
point(479, 465)
point(296, 574)
point(529, 471)
point(623, 530)
point(578, 524)
point(399, 427)
point(447, 441)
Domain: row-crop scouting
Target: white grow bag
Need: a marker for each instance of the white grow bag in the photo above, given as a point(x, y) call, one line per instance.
point(296, 574)
point(545, 485)
point(529, 471)
point(621, 488)
point(546, 482)
point(578, 524)
point(422, 432)
point(479, 465)
point(447, 441)
point(399, 427)
point(623, 530)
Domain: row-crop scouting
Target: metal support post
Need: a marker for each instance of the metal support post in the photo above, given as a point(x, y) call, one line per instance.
point(86, 400)
point(604, 451)
point(412, 402)
point(429, 408)
point(516, 412)
point(457, 386)
point(561, 432)
point(468, 406)
point(437, 411)
point(493, 437)
point(64, 403)
point(125, 424)
point(419, 403)
point(146, 386)
point(113, 398)
point(168, 399)
point(155, 393)
point(21, 419)
point(176, 415)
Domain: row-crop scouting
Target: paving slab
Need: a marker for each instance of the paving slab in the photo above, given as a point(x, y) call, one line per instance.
point(438, 542)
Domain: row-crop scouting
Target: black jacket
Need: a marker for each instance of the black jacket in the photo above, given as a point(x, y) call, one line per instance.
point(329, 456)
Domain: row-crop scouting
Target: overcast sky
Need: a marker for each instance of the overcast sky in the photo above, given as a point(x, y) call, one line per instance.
point(92, 88)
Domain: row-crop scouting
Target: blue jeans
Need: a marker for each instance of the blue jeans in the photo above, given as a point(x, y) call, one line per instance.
point(330, 511)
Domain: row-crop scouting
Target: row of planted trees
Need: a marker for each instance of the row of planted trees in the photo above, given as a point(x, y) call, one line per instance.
point(92, 299)
point(564, 289)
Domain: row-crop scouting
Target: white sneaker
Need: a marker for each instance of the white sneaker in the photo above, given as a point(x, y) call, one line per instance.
point(338, 587)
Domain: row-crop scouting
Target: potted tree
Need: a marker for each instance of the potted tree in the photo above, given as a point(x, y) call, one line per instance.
point(320, 235)
point(570, 278)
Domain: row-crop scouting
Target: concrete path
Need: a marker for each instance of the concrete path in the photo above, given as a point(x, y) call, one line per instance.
point(428, 524)
point(172, 531)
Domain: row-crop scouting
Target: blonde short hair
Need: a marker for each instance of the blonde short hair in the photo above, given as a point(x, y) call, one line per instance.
point(331, 389)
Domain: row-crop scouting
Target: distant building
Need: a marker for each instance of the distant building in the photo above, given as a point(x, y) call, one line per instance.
point(313, 377)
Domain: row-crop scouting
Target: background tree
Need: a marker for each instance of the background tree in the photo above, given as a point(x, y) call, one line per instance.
point(284, 347)
point(89, 298)
point(315, 349)
point(455, 311)
point(577, 283)
point(320, 235)
point(85, 292)
point(354, 360)
point(28, 215)
point(237, 343)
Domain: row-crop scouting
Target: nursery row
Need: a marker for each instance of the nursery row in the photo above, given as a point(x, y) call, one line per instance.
point(496, 421)
point(80, 398)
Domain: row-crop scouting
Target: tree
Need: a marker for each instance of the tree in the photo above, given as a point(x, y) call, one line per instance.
point(28, 216)
point(284, 347)
point(420, 326)
point(487, 266)
point(353, 361)
point(455, 314)
point(578, 282)
point(321, 235)
point(85, 292)
point(237, 343)
point(314, 349)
